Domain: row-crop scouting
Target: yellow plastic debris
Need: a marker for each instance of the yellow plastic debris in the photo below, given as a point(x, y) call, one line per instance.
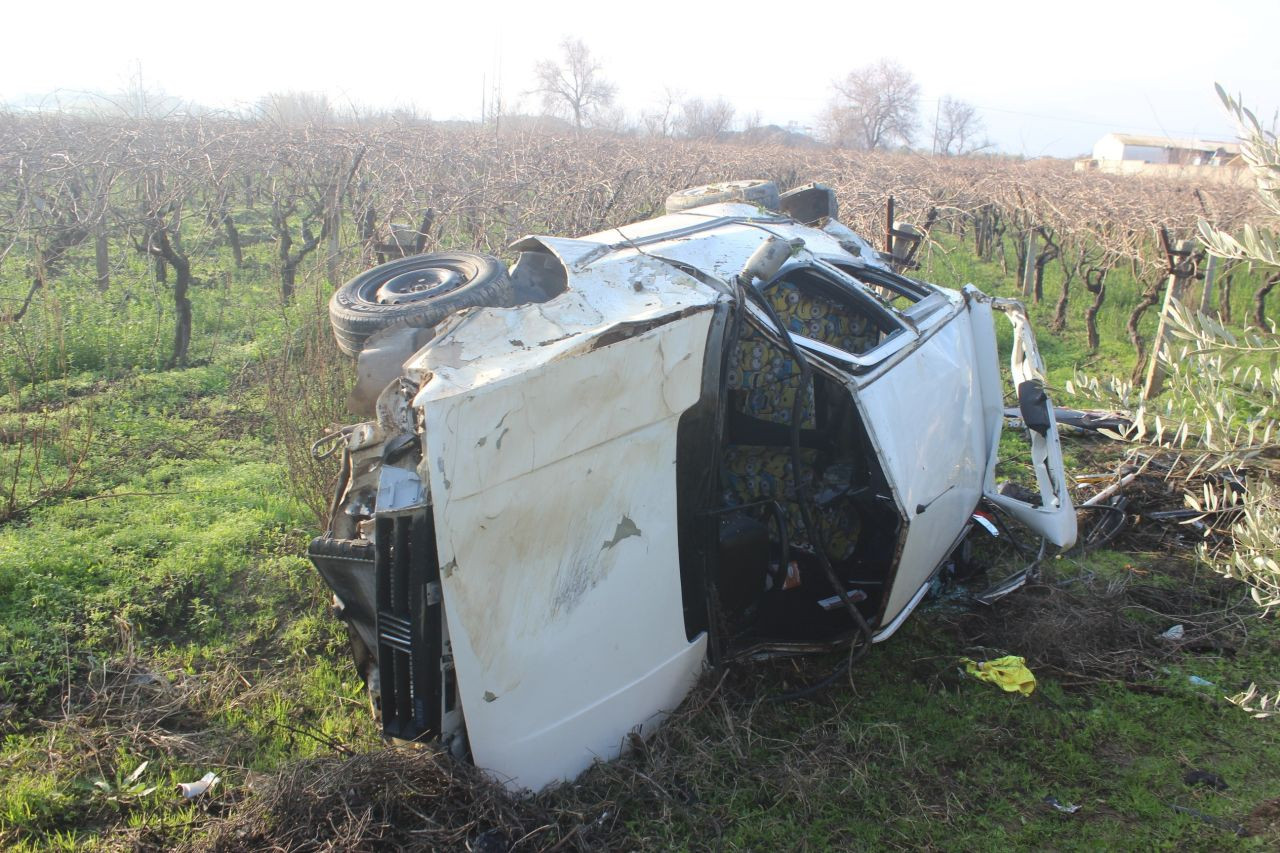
point(1010, 672)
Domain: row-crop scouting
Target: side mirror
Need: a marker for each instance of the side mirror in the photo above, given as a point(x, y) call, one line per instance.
point(1033, 403)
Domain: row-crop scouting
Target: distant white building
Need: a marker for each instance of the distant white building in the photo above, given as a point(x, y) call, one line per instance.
point(1137, 154)
point(1164, 150)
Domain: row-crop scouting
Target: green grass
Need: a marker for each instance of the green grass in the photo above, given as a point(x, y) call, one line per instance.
point(952, 264)
point(159, 609)
point(916, 754)
point(173, 558)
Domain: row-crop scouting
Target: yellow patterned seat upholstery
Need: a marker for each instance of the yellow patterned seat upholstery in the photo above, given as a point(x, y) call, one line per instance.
point(767, 380)
point(822, 319)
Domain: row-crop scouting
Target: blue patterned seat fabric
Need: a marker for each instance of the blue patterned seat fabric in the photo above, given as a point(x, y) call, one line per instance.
point(769, 379)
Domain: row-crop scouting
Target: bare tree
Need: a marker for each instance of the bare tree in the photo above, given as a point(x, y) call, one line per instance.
point(615, 120)
point(574, 83)
point(294, 108)
point(957, 126)
point(874, 107)
point(291, 258)
point(139, 100)
point(701, 119)
point(662, 121)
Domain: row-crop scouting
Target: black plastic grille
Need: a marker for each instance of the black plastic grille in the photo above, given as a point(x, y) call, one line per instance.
point(409, 626)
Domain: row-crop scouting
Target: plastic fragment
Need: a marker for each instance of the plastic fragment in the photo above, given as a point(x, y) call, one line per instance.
point(1009, 672)
point(988, 525)
point(1065, 808)
point(191, 790)
point(1199, 682)
point(1206, 778)
point(137, 773)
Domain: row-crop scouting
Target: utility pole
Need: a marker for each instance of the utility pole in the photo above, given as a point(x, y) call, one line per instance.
point(1210, 274)
point(937, 108)
point(1029, 265)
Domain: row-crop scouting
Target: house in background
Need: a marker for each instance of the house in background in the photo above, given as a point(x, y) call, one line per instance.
point(1138, 154)
point(1163, 150)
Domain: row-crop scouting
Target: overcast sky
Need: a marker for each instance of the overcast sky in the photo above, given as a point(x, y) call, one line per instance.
point(1048, 78)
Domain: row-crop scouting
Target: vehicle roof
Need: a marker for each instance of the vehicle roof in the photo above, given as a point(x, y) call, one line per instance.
point(633, 274)
point(719, 238)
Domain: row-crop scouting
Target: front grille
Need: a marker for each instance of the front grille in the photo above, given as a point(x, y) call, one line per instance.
point(409, 626)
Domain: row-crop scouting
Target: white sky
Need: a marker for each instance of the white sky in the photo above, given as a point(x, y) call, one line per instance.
point(1049, 78)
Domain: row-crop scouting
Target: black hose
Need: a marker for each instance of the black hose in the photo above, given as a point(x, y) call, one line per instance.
point(1104, 530)
point(997, 518)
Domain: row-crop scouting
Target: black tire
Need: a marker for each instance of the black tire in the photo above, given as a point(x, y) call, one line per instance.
point(417, 291)
point(762, 193)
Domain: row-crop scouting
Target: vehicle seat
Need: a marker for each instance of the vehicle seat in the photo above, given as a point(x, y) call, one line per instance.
point(823, 319)
point(763, 382)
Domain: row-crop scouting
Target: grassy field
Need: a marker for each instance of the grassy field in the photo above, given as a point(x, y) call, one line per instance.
point(156, 609)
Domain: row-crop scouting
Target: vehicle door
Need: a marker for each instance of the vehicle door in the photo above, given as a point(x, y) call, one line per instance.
point(929, 395)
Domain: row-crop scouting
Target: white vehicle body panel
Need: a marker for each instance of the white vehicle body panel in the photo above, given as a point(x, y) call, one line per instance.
point(559, 561)
point(935, 465)
point(1054, 518)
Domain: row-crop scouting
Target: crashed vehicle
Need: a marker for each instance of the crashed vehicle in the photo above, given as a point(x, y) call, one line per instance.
point(577, 484)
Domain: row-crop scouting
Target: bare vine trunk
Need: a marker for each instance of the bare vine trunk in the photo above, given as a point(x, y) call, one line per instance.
point(1021, 246)
point(166, 252)
point(1260, 301)
point(233, 239)
point(368, 235)
point(1095, 281)
point(1091, 318)
point(289, 259)
point(182, 312)
point(102, 258)
point(1059, 322)
point(36, 284)
point(1150, 297)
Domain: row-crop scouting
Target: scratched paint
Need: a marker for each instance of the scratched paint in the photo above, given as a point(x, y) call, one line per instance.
point(579, 547)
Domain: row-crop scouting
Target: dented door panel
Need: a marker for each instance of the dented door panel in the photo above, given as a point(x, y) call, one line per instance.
point(935, 465)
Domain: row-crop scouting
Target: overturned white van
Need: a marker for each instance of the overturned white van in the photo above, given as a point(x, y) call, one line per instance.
point(734, 430)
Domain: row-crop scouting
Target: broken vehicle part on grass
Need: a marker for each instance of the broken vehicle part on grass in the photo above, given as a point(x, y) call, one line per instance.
point(565, 504)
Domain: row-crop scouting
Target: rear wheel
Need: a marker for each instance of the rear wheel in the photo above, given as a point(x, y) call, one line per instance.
point(762, 193)
point(417, 291)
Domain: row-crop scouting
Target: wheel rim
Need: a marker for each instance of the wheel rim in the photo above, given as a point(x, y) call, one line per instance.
point(417, 285)
point(715, 189)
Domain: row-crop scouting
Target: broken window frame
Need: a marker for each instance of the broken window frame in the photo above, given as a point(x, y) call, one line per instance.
point(902, 333)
